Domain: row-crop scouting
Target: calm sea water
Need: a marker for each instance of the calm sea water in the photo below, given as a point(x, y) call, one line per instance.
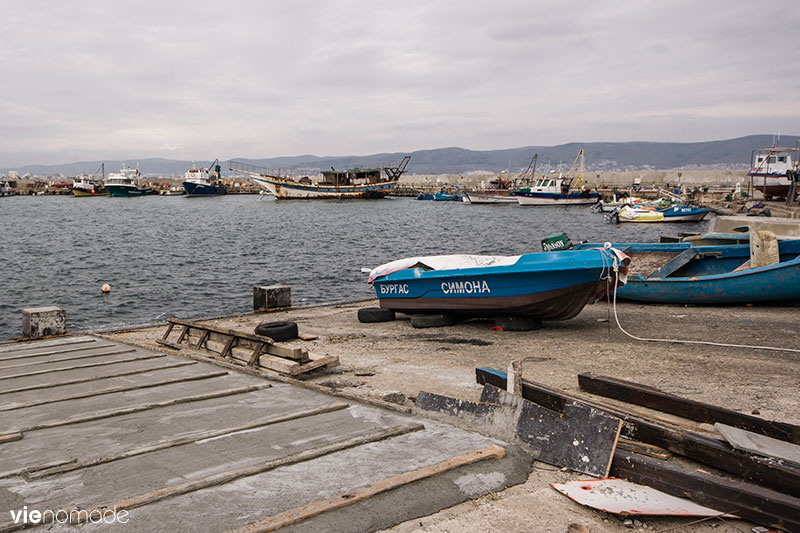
point(190, 257)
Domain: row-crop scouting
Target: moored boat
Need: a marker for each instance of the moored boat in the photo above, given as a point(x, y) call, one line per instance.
point(680, 273)
point(551, 190)
point(770, 169)
point(124, 183)
point(87, 186)
point(333, 184)
point(201, 182)
point(445, 195)
point(544, 285)
point(674, 213)
point(6, 189)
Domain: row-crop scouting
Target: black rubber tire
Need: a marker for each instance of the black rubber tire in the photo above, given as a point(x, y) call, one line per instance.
point(278, 331)
point(375, 314)
point(432, 321)
point(517, 323)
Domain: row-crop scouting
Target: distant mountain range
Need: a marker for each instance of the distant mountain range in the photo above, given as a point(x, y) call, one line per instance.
point(599, 156)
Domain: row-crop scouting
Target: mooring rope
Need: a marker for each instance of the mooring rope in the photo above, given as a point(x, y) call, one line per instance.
point(683, 341)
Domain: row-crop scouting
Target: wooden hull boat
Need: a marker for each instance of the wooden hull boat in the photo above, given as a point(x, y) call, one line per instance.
point(545, 286)
point(679, 273)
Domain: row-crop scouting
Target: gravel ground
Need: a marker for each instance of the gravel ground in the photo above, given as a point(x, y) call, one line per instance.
point(394, 361)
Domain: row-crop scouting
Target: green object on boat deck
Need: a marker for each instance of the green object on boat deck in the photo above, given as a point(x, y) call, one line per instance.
point(556, 242)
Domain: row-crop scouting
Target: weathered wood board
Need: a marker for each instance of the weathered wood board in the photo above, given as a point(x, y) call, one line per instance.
point(759, 444)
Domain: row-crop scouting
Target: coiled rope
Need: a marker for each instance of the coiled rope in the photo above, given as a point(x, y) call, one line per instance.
point(615, 268)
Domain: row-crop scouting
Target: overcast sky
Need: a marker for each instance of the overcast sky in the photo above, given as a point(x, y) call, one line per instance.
point(119, 79)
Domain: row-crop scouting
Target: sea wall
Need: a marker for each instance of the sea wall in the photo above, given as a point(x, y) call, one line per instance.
point(658, 178)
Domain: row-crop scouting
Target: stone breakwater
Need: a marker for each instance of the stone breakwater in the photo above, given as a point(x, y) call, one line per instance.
point(656, 178)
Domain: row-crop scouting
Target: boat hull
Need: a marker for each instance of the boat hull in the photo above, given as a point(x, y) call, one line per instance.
point(490, 198)
point(539, 199)
point(119, 191)
point(545, 286)
point(284, 190)
point(714, 277)
point(771, 184)
point(194, 189)
point(82, 193)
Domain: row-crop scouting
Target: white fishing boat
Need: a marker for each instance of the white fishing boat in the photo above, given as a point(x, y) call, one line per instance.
point(551, 190)
point(6, 189)
point(124, 183)
point(769, 168)
point(330, 184)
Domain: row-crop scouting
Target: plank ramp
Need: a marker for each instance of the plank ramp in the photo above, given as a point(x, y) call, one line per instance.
point(186, 443)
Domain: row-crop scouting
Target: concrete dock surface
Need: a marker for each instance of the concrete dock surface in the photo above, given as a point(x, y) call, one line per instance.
point(188, 446)
point(382, 364)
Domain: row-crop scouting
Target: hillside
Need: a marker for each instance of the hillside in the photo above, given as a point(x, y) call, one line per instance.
point(600, 156)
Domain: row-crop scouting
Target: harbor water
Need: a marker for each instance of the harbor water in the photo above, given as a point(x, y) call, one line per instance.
point(191, 257)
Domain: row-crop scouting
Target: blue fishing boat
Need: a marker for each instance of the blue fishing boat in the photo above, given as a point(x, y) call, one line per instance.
point(447, 196)
point(424, 196)
point(680, 273)
point(544, 286)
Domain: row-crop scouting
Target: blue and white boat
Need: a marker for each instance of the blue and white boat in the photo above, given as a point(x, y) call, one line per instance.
point(201, 182)
point(680, 273)
point(674, 213)
point(544, 286)
point(551, 190)
point(444, 195)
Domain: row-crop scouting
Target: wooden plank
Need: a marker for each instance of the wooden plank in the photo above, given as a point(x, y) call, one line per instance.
point(256, 354)
point(580, 438)
point(711, 451)
point(626, 498)
point(643, 448)
point(674, 264)
point(10, 437)
point(144, 407)
point(310, 510)
point(52, 384)
point(88, 365)
point(36, 344)
point(652, 398)
point(746, 500)
point(116, 351)
point(69, 466)
point(232, 475)
point(279, 364)
point(183, 334)
point(57, 352)
point(169, 344)
point(170, 325)
point(113, 390)
point(329, 362)
point(748, 441)
point(227, 349)
point(251, 341)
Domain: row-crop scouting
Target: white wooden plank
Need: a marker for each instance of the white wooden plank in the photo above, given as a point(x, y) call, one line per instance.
point(748, 441)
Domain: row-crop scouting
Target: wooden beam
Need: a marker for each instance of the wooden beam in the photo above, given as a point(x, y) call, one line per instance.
point(96, 378)
point(35, 344)
point(88, 365)
point(674, 264)
point(299, 514)
point(67, 466)
point(260, 468)
point(714, 452)
point(652, 398)
point(73, 358)
point(751, 502)
point(56, 352)
point(10, 437)
point(113, 390)
point(144, 407)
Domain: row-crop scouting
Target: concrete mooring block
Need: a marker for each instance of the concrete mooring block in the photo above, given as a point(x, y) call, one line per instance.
point(272, 297)
point(38, 322)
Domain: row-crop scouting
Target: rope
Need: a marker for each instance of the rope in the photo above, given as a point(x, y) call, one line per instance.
point(681, 341)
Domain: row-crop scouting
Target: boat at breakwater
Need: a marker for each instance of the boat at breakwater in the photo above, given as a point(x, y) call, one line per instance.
point(87, 186)
point(681, 273)
point(770, 169)
point(501, 190)
point(333, 184)
point(543, 286)
point(201, 182)
point(550, 190)
point(674, 213)
point(124, 183)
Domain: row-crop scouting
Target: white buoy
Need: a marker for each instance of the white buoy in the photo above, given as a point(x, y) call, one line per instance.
point(106, 287)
